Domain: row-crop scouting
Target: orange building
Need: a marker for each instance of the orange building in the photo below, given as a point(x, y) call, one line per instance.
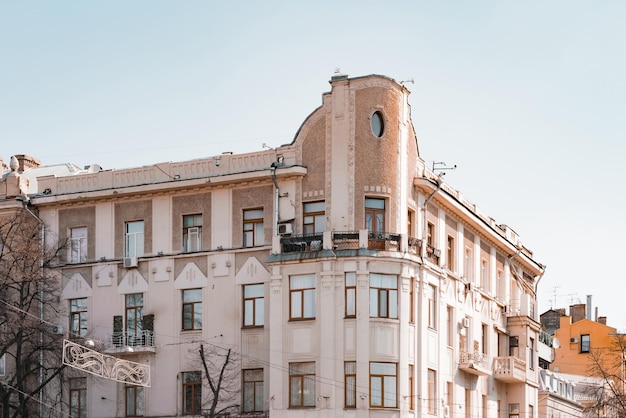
point(578, 336)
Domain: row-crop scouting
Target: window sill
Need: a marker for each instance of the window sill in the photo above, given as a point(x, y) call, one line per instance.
point(301, 319)
point(252, 327)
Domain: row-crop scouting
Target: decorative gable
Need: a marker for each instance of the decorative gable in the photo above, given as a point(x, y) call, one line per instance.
point(133, 282)
point(190, 278)
point(252, 271)
point(76, 287)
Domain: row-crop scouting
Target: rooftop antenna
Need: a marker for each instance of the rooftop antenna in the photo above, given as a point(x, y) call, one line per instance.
point(442, 167)
point(264, 145)
point(410, 80)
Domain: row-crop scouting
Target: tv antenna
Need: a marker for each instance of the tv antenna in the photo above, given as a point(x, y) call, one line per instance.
point(442, 167)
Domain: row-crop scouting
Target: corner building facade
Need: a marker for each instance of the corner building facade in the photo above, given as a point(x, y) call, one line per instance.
point(349, 279)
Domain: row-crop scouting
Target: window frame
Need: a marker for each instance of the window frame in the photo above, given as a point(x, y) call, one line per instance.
point(3, 364)
point(431, 296)
point(583, 338)
point(314, 217)
point(349, 378)
point(137, 392)
point(387, 294)
point(77, 245)
point(195, 392)
point(302, 377)
point(195, 304)
point(187, 229)
point(257, 313)
point(256, 225)
point(383, 378)
point(350, 295)
point(81, 314)
point(250, 377)
point(450, 255)
point(136, 311)
point(431, 405)
point(137, 248)
point(374, 214)
point(303, 294)
point(78, 385)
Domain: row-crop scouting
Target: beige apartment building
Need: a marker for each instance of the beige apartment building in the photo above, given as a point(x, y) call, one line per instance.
point(344, 277)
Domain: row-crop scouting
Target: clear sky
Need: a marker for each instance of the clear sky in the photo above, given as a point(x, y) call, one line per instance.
point(526, 98)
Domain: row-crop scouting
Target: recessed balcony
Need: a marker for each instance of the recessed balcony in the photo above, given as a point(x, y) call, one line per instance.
point(475, 363)
point(509, 369)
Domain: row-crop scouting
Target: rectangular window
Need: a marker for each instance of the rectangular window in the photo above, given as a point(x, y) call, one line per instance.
point(314, 217)
point(375, 214)
point(484, 274)
point(432, 391)
point(192, 393)
point(302, 384)
point(350, 295)
point(78, 245)
point(78, 397)
point(431, 295)
point(383, 385)
point(585, 343)
point(253, 305)
point(450, 254)
point(350, 384)
point(253, 390)
point(484, 411)
point(468, 265)
point(134, 239)
point(78, 317)
point(450, 399)
point(383, 296)
point(192, 309)
point(192, 233)
point(412, 300)
point(134, 316)
point(450, 326)
point(411, 389)
point(3, 365)
point(302, 296)
point(253, 232)
point(484, 341)
point(134, 401)
point(430, 234)
point(531, 411)
point(531, 354)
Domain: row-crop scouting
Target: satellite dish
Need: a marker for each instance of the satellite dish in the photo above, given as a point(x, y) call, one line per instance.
point(556, 343)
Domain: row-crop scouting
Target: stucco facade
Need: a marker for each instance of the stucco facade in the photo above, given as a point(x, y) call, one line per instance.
point(402, 299)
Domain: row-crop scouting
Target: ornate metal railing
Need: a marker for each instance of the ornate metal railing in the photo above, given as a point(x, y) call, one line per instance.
point(142, 338)
point(302, 243)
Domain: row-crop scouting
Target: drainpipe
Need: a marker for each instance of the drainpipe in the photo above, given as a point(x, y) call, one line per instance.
point(276, 195)
point(25, 202)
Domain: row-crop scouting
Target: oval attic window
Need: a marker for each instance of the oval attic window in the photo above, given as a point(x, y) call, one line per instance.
point(378, 126)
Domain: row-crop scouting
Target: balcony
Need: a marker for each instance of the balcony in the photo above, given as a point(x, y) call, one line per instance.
point(341, 240)
point(130, 342)
point(509, 369)
point(475, 363)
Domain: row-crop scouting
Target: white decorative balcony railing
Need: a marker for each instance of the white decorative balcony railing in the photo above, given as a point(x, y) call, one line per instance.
point(509, 369)
point(475, 362)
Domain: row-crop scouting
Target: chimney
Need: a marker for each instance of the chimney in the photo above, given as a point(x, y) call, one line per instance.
point(26, 161)
point(577, 312)
point(602, 320)
point(589, 311)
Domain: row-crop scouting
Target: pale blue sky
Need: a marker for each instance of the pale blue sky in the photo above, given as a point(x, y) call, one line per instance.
point(527, 98)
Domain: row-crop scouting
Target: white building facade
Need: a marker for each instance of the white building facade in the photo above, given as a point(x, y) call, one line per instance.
point(347, 279)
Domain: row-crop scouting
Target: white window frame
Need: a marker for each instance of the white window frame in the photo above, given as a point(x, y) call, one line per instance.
point(134, 239)
point(192, 234)
point(77, 251)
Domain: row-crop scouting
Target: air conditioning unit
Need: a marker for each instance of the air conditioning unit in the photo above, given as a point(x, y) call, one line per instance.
point(284, 229)
point(130, 262)
point(573, 340)
point(465, 322)
point(58, 330)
